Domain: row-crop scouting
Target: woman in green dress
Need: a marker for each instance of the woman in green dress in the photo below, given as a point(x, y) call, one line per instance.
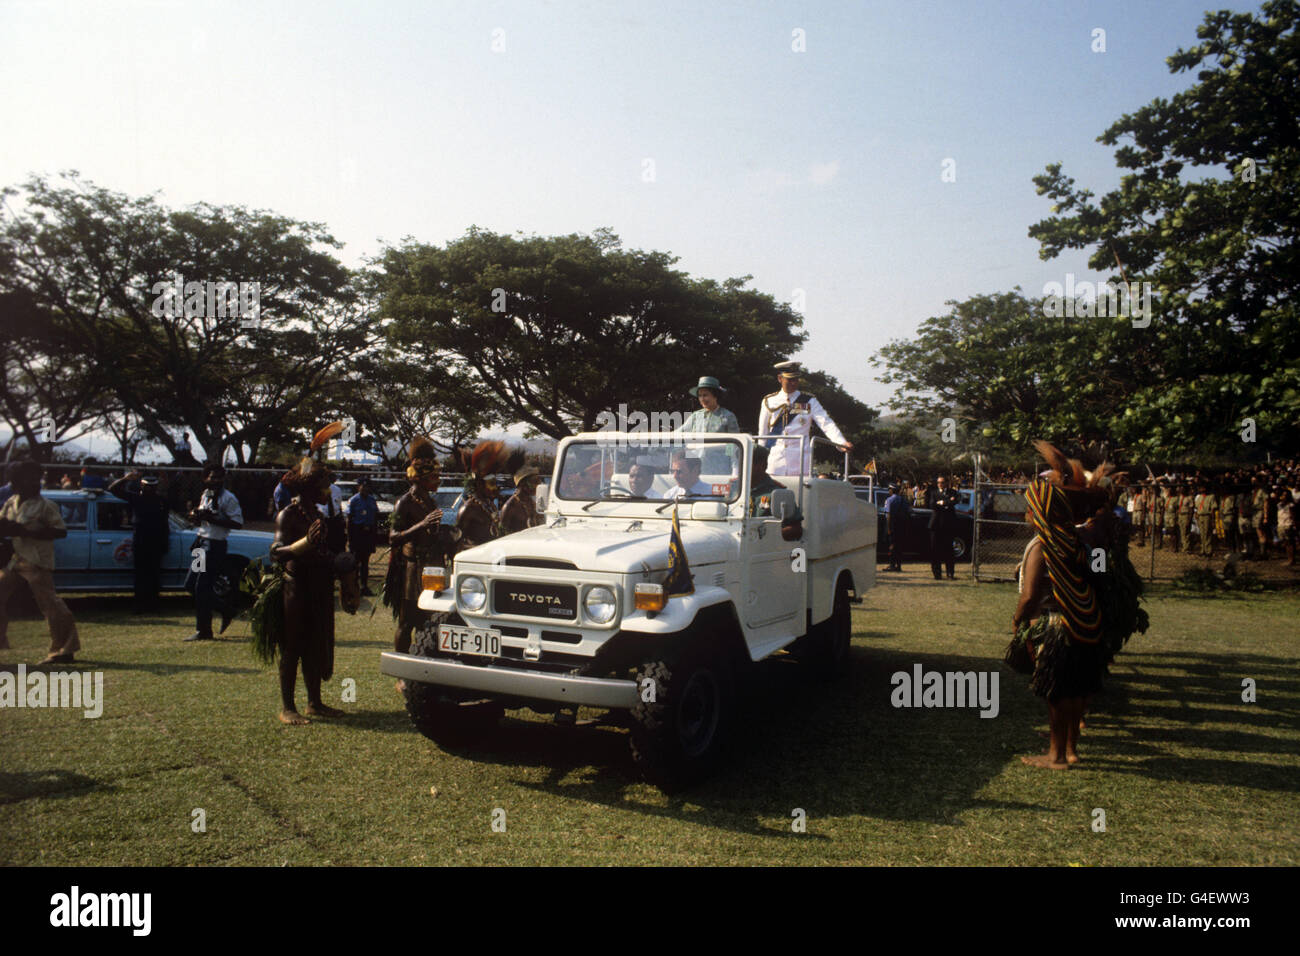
point(712, 417)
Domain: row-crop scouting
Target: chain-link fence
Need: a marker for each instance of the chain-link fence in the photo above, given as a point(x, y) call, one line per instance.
point(1165, 550)
point(1161, 548)
point(999, 534)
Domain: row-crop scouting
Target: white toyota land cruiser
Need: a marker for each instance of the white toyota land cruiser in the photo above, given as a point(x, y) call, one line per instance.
point(574, 612)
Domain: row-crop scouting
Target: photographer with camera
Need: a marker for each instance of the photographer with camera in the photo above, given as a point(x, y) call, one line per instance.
point(218, 513)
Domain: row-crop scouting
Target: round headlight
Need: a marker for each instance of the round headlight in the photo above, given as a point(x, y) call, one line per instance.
point(473, 595)
point(600, 604)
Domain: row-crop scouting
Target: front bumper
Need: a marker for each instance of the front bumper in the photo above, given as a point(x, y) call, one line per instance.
point(510, 682)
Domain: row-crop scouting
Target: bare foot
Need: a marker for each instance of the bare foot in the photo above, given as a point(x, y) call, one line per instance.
point(293, 718)
point(1072, 756)
point(401, 687)
point(320, 710)
point(1043, 760)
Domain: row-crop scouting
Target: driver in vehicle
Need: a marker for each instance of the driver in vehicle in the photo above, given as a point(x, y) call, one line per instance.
point(686, 472)
point(640, 478)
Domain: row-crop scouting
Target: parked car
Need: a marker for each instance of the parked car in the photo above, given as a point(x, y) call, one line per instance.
point(916, 537)
point(385, 507)
point(97, 554)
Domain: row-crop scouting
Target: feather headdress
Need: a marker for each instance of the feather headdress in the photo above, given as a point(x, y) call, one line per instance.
point(312, 467)
point(423, 458)
point(1086, 490)
point(495, 456)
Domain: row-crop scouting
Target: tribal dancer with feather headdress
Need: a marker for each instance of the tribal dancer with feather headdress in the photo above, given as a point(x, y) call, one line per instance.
point(480, 519)
point(418, 538)
point(1072, 618)
point(309, 546)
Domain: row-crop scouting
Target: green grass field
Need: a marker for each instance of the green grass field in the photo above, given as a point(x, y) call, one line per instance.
point(1186, 772)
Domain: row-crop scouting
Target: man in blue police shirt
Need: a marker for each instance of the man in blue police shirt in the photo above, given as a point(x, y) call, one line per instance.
point(363, 526)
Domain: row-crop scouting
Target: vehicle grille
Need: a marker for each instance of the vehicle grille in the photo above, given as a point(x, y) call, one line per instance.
point(556, 602)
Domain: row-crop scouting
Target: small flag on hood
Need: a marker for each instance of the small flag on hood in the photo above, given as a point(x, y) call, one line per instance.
point(679, 579)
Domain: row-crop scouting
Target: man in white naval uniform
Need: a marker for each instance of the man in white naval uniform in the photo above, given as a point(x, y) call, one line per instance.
point(791, 412)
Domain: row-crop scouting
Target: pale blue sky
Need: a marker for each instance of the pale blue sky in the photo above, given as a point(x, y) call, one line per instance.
point(816, 170)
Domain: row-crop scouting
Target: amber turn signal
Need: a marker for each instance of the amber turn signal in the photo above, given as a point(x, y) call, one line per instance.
point(649, 597)
point(433, 579)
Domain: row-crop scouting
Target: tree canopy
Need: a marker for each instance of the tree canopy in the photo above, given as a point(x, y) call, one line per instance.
point(93, 270)
point(1208, 215)
point(551, 331)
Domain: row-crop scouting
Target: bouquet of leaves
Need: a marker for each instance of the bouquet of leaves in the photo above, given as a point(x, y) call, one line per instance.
point(266, 587)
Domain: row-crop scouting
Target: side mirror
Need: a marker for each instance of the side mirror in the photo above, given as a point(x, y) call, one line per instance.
point(784, 503)
point(542, 493)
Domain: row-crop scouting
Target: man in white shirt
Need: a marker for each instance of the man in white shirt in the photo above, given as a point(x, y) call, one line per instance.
point(792, 412)
point(686, 472)
point(217, 514)
point(641, 480)
point(335, 504)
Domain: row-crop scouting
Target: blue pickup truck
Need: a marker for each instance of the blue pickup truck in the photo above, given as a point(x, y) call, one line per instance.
point(97, 556)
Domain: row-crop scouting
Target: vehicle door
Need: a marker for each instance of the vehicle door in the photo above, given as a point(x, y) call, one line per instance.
point(72, 554)
point(773, 590)
point(112, 560)
point(180, 542)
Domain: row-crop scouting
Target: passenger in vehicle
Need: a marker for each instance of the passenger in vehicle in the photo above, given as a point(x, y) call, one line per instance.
point(686, 472)
point(761, 487)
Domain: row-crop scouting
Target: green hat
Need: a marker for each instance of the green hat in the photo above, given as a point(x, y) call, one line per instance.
point(709, 382)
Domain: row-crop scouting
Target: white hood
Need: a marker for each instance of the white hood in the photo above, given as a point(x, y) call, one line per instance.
point(608, 547)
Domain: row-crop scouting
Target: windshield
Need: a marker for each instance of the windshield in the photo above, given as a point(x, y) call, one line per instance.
point(706, 469)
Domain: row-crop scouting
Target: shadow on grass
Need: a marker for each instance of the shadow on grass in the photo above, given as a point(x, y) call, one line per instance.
point(48, 783)
point(835, 750)
point(1172, 699)
point(843, 750)
point(384, 721)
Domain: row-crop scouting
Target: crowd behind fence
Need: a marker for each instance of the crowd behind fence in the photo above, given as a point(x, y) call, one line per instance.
point(999, 536)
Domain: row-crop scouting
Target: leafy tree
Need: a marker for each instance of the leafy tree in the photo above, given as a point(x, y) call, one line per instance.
point(551, 331)
point(47, 395)
point(92, 266)
point(995, 364)
point(1208, 214)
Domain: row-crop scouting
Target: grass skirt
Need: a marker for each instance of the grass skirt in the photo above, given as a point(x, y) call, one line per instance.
point(1064, 667)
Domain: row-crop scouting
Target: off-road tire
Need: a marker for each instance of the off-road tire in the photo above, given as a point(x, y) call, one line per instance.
point(677, 739)
point(825, 649)
point(438, 712)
